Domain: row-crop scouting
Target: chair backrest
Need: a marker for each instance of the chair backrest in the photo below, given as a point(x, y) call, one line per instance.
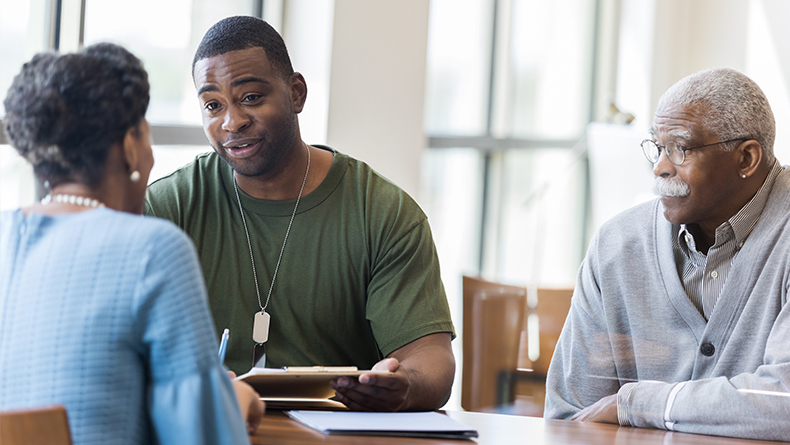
point(493, 319)
point(524, 390)
point(44, 426)
point(551, 308)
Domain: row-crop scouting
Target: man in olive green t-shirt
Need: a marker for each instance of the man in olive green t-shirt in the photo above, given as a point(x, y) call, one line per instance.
point(306, 252)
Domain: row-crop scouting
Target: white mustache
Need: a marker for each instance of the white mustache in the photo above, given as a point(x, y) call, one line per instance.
point(669, 187)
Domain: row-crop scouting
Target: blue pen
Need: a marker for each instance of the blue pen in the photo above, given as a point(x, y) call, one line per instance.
point(223, 344)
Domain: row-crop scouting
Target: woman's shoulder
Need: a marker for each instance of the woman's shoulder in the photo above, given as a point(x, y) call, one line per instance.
point(137, 230)
point(157, 229)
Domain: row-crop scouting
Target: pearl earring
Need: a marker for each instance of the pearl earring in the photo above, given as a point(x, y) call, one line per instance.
point(743, 176)
point(135, 176)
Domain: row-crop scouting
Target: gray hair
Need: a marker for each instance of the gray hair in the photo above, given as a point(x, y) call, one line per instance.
point(736, 106)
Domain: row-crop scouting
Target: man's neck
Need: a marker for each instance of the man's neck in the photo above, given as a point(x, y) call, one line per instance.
point(285, 183)
point(282, 183)
point(703, 240)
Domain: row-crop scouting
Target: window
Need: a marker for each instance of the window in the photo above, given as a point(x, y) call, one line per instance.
point(510, 80)
point(23, 33)
point(508, 94)
point(458, 75)
point(165, 42)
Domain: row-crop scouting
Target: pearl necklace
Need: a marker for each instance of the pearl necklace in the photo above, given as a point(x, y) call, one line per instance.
point(72, 199)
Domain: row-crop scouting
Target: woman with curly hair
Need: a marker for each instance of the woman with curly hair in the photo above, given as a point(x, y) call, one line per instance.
point(102, 310)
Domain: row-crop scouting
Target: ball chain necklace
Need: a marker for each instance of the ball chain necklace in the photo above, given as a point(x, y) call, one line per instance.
point(260, 326)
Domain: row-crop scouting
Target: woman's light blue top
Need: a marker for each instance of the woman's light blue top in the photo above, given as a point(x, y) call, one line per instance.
point(106, 313)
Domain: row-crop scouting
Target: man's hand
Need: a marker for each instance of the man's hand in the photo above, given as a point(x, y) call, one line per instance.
point(602, 411)
point(375, 392)
point(422, 375)
point(251, 406)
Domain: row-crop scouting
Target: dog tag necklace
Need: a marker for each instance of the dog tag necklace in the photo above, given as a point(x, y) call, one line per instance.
point(261, 321)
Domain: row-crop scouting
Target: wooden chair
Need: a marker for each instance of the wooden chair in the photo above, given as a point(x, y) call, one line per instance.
point(549, 311)
point(45, 426)
point(493, 319)
point(525, 389)
point(498, 374)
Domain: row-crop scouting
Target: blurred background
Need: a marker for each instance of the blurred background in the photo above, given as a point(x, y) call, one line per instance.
point(514, 123)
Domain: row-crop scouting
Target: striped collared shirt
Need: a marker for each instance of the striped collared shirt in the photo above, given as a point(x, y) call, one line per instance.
point(704, 276)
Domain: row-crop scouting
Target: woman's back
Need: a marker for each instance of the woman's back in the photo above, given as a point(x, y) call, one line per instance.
point(105, 312)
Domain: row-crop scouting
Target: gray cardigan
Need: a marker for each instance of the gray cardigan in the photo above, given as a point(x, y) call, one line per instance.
point(633, 329)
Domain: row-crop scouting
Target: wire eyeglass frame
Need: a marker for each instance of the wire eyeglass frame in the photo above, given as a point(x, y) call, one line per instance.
point(675, 152)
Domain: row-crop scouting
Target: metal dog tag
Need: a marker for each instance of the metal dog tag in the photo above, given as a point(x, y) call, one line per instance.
point(260, 327)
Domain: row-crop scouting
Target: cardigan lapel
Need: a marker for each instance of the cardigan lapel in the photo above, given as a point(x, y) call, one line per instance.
point(665, 258)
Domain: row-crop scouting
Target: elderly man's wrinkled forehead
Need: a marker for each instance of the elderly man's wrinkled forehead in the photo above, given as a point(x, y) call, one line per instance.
point(678, 121)
point(677, 133)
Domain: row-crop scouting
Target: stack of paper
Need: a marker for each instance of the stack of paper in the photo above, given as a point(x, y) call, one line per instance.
point(423, 424)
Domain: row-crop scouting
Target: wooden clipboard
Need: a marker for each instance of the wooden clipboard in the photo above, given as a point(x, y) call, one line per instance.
point(300, 382)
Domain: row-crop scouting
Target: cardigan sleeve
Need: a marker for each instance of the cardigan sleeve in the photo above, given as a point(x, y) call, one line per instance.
point(749, 405)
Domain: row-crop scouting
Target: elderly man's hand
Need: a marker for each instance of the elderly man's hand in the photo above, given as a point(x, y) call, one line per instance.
point(375, 392)
point(602, 411)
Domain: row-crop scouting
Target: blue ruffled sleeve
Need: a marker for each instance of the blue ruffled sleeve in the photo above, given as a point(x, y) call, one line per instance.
point(190, 395)
point(197, 409)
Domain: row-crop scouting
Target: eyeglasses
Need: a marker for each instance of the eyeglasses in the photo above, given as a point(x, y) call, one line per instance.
point(676, 153)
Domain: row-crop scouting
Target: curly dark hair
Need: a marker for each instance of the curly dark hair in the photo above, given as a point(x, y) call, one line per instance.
point(64, 112)
point(242, 32)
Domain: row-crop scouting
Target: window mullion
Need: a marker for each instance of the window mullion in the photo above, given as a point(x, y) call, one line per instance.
point(71, 31)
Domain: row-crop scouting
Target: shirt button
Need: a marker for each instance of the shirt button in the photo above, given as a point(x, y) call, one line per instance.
point(714, 275)
point(707, 349)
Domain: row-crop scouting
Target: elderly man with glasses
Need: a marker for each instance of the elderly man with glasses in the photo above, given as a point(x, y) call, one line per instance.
point(680, 318)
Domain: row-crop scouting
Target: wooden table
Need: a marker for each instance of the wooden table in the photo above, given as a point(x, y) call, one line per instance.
point(495, 429)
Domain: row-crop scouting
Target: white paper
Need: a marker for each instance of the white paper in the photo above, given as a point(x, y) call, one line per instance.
point(348, 422)
point(256, 371)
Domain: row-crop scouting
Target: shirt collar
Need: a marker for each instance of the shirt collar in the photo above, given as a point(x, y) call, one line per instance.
point(744, 221)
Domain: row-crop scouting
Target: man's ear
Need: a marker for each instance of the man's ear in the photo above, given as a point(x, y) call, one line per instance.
point(751, 156)
point(298, 87)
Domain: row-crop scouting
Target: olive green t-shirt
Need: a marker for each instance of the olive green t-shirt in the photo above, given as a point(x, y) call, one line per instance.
point(359, 276)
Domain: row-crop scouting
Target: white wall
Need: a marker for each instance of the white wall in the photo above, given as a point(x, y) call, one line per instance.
point(376, 96)
point(307, 30)
point(662, 41)
point(768, 63)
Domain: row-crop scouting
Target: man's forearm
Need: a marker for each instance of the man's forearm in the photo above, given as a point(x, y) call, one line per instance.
point(430, 365)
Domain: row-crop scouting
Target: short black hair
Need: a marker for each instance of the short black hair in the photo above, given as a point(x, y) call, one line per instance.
point(243, 32)
point(64, 112)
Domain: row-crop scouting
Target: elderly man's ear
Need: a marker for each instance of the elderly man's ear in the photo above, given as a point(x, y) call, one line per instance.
point(751, 156)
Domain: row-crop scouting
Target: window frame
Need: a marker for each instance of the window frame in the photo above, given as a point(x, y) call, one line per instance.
point(492, 147)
